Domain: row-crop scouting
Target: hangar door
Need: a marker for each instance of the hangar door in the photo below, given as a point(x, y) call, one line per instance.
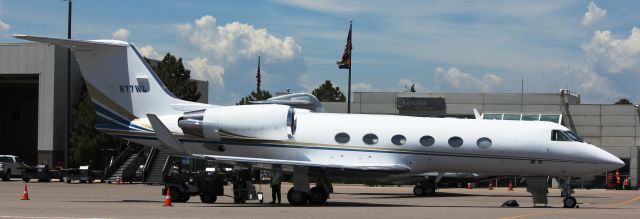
point(19, 116)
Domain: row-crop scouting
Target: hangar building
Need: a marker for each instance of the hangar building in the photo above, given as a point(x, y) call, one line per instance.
point(33, 100)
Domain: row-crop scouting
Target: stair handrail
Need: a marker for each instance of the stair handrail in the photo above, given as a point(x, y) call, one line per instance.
point(145, 169)
point(118, 161)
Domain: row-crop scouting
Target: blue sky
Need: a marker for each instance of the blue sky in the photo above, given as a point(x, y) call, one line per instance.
point(591, 48)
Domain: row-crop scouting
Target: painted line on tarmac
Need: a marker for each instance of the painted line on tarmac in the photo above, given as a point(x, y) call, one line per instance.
point(33, 217)
point(624, 202)
point(616, 204)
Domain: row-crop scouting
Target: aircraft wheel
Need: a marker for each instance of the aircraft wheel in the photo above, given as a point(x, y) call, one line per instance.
point(569, 202)
point(297, 197)
point(208, 198)
point(418, 190)
point(428, 189)
point(318, 196)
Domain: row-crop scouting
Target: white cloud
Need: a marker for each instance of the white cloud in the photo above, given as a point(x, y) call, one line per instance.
point(361, 87)
point(614, 55)
point(236, 40)
point(4, 26)
point(406, 84)
point(149, 52)
point(331, 6)
point(121, 34)
point(202, 70)
point(227, 55)
point(593, 14)
point(593, 87)
point(456, 80)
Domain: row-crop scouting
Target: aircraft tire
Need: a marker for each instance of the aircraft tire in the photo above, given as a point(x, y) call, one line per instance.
point(297, 197)
point(318, 196)
point(418, 190)
point(428, 189)
point(569, 202)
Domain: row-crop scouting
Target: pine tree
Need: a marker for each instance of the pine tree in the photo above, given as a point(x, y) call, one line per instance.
point(87, 144)
point(255, 95)
point(176, 77)
point(327, 93)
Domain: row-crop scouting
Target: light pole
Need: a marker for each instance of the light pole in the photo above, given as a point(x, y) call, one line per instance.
point(68, 129)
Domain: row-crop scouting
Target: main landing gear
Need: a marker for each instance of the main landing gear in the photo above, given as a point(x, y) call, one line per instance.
point(300, 194)
point(424, 189)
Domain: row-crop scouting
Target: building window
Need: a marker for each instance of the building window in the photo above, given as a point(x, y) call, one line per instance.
point(455, 141)
point(484, 142)
point(370, 139)
point(398, 140)
point(427, 140)
point(342, 137)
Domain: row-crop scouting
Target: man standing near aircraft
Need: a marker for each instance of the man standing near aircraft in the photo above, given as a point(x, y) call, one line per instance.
point(276, 175)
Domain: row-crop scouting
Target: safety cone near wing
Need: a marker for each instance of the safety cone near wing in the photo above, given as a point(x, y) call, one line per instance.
point(510, 186)
point(118, 180)
point(167, 198)
point(469, 186)
point(617, 176)
point(626, 183)
point(25, 193)
point(490, 186)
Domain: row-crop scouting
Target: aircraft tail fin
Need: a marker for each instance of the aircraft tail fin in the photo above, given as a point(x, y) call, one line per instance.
point(123, 87)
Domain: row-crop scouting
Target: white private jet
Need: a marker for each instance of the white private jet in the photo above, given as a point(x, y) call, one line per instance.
point(132, 103)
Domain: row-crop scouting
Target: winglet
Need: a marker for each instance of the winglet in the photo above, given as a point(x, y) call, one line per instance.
point(164, 135)
point(476, 113)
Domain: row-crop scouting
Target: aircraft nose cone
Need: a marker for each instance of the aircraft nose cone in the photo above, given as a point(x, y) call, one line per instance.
point(611, 161)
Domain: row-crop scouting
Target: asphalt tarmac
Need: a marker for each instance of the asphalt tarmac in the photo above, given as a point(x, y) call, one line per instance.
point(99, 200)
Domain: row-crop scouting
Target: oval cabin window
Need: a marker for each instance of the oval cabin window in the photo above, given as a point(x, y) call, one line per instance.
point(427, 140)
point(370, 139)
point(398, 140)
point(455, 141)
point(342, 137)
point(484, 142)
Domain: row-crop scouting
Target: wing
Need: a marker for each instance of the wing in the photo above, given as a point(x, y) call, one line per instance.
point(335, 169)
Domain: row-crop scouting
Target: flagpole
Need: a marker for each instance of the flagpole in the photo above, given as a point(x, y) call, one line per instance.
point(350, 66)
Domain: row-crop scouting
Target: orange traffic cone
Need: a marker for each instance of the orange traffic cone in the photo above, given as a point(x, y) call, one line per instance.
point(490, 186)
point(626, 183)
point(167, 198)
point(118, 180)
point(25, 193)
point(469, 186)
point(510, 186)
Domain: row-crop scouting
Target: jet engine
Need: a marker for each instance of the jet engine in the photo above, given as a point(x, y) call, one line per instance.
point(273, 122)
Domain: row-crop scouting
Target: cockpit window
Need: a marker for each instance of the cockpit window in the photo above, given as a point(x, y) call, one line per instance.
point(573, 136)
point(557, 135)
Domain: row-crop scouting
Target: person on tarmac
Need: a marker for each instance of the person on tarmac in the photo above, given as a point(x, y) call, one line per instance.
point(276, 176)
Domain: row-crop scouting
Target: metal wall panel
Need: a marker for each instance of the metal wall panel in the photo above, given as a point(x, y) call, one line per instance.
point(588, 131)
point(502, 98)
point(618, 110)
point(464, 98)
point(375, 108)
point(387, 98)
point(618, 121)
point(618, 141)
point(586, 120)
point(584, 110)
point(593, 140)
point(542, 99)
point(618, 131)
point(618, 151)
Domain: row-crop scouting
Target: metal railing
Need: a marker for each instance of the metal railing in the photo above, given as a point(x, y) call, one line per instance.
point(118, 161)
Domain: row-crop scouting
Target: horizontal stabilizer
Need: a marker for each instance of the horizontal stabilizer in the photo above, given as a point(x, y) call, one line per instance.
point(164, 135)
point(72, 44)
